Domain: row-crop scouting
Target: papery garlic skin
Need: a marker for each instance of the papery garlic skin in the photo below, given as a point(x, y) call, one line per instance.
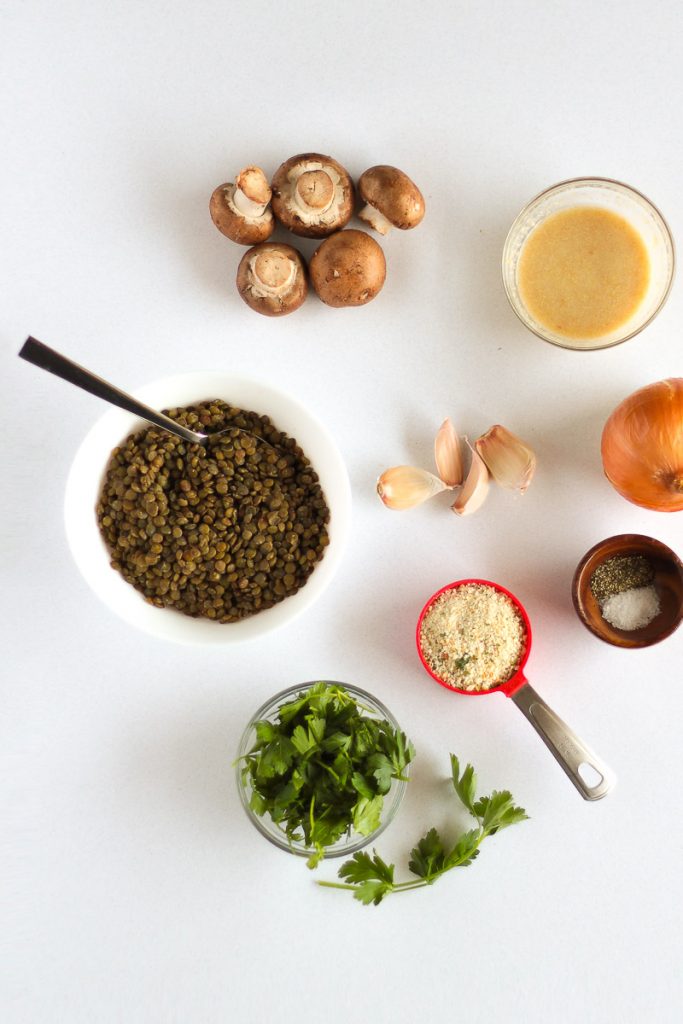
point(404, 487)
point(448, 455)
point(474, 490)
point(510, 461)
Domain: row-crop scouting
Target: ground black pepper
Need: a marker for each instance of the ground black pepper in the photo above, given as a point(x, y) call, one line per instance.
point(620, 573)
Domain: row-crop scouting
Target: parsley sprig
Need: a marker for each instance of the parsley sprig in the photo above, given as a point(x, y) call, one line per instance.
point(324, 766)
point(370, 878)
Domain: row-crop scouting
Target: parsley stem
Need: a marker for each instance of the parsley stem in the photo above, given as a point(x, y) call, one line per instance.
point(337, 885)
point(418, 883)
point(321, 764)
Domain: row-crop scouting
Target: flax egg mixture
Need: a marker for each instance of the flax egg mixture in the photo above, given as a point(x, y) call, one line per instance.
point(583, 272)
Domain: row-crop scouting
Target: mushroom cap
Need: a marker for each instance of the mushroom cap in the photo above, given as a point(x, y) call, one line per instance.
point(394, 194)
point(272, 278)
point(314, 191)
point(235, 225)
point(348, 269)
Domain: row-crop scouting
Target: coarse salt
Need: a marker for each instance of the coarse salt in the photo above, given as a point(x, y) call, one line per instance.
point(473, 637)
point(631, 609)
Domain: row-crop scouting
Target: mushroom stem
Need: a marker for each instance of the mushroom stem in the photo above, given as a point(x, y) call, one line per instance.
point(375, 219)
point(246, 206)
point(314, 191)
point(273, 273)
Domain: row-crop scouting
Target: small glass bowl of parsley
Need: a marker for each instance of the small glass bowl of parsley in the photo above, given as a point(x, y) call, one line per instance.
point(322, 768)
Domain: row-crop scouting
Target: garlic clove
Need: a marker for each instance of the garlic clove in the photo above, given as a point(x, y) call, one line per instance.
point(403, 487)
point(448, 455)
point(510, 461)
point(475, 488)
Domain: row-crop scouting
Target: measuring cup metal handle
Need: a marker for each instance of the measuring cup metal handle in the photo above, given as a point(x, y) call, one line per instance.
point(568, 750)
point(34, 351)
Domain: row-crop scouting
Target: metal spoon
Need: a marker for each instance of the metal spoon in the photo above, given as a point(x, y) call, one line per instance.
point(34, 351)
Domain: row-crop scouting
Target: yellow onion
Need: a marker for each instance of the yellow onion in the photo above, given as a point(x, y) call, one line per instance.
point(642, 446)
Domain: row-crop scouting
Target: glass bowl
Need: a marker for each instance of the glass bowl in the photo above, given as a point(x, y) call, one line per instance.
point(668, 582)
point(620, 199)
point(350, 841)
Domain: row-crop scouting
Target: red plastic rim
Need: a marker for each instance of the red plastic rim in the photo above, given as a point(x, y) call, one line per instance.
point(515, 681)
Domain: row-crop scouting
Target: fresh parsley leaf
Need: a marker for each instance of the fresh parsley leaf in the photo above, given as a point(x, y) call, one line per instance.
point(326, 831)
point(265, 732)
point(365, 739)
point(286, 795)
point(512, 817)
point(363, 867)
point(367, 814)
point(371, 892)
point(320, 694)
point(258, 804)
point(275, 757)
point(492, 810)
point(465, 850)
point(336, 741)
point(303, 740)
point(362, 786)
point(316, 727)
point(465, 784)
point(501, 812)
point(401, 753)
point(382, 770)
point(288, 712)
point(427, 858)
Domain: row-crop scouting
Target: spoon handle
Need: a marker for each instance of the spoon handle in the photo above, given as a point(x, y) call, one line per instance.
point(33, 351)
point(569, 751)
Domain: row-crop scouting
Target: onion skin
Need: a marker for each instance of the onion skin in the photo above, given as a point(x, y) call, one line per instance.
point(642, 446)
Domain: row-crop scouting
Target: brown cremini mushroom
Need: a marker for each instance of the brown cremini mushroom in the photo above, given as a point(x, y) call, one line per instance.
point(241, 209)
point(391, 199)
point(272, 279)
point(348, 269)
point(312, 195)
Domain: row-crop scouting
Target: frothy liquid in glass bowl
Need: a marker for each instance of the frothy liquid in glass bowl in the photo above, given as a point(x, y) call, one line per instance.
point(583, 272)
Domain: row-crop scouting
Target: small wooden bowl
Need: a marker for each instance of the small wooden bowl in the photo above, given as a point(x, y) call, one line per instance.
point(668, 582)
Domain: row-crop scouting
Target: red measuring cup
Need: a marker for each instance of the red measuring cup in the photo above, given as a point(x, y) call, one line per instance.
point(569, 751)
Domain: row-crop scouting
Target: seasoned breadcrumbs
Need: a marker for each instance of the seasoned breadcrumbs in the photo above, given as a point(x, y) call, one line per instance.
point(473, 637)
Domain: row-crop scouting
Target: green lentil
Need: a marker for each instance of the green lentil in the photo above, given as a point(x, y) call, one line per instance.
point(222, 531)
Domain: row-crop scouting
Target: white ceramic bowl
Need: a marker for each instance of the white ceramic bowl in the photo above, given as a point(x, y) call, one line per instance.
point(86, 477)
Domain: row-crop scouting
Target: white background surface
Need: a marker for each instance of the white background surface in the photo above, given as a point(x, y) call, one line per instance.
point(138, 889)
